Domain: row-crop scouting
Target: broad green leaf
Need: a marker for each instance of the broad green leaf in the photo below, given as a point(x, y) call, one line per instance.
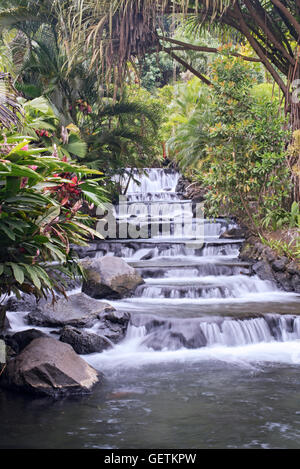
point(76, 147)
point(40, 104)
point(33, 275)
point(18, 272)
point(43, 275)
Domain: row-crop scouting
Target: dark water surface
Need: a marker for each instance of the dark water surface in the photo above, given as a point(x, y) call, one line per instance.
point(210, 404)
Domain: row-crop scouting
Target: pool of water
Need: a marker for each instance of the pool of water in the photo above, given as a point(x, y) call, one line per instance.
point(230, 401)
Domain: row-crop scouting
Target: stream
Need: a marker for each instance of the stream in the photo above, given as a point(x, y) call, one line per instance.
point(211, 358)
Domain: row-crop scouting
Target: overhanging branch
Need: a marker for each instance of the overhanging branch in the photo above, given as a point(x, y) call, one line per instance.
point(187, 66)
point(214, 50)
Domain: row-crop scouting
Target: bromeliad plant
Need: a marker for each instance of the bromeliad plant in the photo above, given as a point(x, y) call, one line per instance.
point(40, 218)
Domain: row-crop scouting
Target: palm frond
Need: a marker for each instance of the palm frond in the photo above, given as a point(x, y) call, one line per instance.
point(9, 106)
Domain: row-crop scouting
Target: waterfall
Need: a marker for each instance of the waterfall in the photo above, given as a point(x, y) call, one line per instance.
point(197, 293)
point(186, 333)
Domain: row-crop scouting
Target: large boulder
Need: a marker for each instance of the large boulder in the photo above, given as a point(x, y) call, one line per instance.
point(83, 341)
point(79, 310)
point(49, 367)
point(109, 277)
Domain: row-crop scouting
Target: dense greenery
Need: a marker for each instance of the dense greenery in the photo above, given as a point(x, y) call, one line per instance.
point(90, 90)
point(234, 141)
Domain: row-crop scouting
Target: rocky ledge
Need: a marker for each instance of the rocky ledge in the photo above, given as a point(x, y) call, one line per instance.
point(269, 266)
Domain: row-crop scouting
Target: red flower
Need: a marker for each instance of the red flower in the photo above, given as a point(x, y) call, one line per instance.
point(74, 181)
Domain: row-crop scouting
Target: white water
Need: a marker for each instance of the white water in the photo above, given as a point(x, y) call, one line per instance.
point(232, 340)
point(252, 355)
point(178, 296)
point(156, 180)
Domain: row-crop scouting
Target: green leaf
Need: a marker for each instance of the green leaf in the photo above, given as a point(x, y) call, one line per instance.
point(18, 272)
point(23, 171)
point(8, 231)
point(33, 275)
point(40, 104)
point(18, 147)
point(76, 146)
point(56, 251)
point(43, 275)
point(49, 216)
point(92, 197)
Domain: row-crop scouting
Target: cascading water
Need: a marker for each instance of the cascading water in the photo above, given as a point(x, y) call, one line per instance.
point(211, 358)
point(185, 278)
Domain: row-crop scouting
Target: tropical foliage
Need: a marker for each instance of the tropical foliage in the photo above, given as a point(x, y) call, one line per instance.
point(40, 198)
point(235, 142)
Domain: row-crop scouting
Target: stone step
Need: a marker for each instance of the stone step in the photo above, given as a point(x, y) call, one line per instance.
point(183, 263)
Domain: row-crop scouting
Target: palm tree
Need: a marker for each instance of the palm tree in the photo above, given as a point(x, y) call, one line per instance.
point(121, 134)
point(119, 30)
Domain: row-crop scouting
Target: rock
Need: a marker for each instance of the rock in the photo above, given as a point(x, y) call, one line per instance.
point(268, 266)
point(109, 277)
point(113, 325)
point(21, 339)
point(79, 310)
point(6, 326)
point(269, 255)
point(182, 184)
point(148, 256)
point(279, 264)
point(173, 336)
point(284, 280)
point(50, 368)
point(26, 303)
point(83, 341)
point(246, 252)
point(293, 268)
point(296, 282)
point(85, 251)
point(174, 340)
point(263, 270)
point(258, 249)
point(234, 233)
